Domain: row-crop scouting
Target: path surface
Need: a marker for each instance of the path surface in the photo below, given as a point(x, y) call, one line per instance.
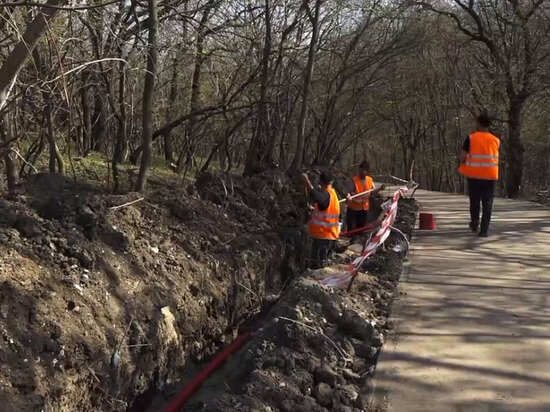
point(473, 326)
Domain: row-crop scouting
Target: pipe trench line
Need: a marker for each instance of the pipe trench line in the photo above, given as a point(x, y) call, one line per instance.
point(193, 386)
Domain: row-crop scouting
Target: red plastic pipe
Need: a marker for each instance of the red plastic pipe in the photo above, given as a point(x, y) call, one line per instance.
point(191, 388)
point(356, 231)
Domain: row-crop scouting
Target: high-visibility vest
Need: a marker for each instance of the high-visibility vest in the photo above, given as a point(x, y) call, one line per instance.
point(325, 224)
point(482, 161)
point(361, 202)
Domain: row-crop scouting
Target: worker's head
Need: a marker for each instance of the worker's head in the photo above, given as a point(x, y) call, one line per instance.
point(483, 121)
point(363, 169)
point(325, 179)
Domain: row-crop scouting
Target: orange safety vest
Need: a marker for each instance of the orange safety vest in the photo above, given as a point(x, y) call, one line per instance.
point(361, 202)
point(482, 161)
point(325, 224)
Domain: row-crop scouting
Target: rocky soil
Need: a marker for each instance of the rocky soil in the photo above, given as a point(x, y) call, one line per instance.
point(101, 306)
point(316, 349)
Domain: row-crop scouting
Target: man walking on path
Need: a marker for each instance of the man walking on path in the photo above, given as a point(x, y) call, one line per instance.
point(479, 163)
point(324, 225)
point(357, 214)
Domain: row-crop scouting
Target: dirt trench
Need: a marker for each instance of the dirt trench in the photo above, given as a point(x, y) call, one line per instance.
point(103, 308)
point(315, 349)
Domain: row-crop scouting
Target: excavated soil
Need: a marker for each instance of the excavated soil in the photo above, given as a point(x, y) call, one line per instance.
point(316, 348)
point(102, 307)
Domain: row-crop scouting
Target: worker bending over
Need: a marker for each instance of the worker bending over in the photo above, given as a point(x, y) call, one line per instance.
point(324, 225)
point(479, 163)
point(358, 207)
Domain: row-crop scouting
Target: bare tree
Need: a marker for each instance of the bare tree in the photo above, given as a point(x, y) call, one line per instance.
point(186, 157)
point(306, 88)
point(13, 64)
point(311, 82)
point(517, 46)
point(168, 147)
point(148, 92)
point(259, 138)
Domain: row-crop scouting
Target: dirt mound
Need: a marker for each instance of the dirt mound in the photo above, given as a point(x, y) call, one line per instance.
point(101, 306)
point(316, 348)
point(107, 300)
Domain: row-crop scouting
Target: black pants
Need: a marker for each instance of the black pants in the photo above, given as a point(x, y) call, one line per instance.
point(320, 251)
point(481, 191)
point(356, 218)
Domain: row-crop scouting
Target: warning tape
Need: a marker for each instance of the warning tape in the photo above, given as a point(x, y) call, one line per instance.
point(344, 278)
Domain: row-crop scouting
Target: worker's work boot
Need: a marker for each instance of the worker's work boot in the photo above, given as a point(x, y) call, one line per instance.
point(484, 228)
point(473, 227)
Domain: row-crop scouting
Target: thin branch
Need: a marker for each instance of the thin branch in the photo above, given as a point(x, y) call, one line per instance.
point(343, 354)
point(71, 8)
point(126, 204)
point(24, 160)
point(82, 66)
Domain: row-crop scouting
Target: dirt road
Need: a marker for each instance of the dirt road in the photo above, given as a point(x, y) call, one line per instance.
point(473, 326)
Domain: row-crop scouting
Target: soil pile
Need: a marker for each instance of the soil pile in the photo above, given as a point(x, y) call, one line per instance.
point(100, 306)
point(107, 300)
point(316, 348)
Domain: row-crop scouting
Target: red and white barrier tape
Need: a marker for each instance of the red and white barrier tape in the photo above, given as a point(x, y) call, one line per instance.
point(372, 245)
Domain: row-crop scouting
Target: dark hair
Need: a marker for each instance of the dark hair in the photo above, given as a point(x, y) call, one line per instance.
point(484, 120)
point(325, 178)
point(364, 165)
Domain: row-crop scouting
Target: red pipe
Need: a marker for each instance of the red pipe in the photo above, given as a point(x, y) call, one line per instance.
point(191, 388)
point(358, 230)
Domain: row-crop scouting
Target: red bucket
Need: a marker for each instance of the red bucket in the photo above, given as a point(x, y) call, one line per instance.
point(426, 221)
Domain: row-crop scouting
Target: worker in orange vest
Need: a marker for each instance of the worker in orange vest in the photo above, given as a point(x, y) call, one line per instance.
point(357, 214)
point(324, 224)
point(479, 163)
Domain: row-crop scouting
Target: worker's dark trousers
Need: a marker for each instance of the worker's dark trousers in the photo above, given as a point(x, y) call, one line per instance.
point(356, 218)
point(481, 191)
point(320, 252)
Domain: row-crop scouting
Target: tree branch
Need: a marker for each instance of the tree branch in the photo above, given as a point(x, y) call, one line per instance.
point(71, 8)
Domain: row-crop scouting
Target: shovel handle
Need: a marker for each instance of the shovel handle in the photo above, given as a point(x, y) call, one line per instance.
point(357, 195)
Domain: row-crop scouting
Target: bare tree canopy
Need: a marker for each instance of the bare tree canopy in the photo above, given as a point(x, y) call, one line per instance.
point(242, 86)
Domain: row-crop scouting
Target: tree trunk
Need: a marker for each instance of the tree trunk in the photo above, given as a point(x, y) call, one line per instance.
point(86, 122)
point(255, 155)
point(118, 155)
point(55, 160)
point(148, 89)
point(195, 91)
point(51, 137)
point(55, 156)
point(306, 89)
point(13, 64)
point(11, 166)
point(98, 121)
point(34, 153)
point(21, 52)
point(11, 172)
point(168, 150)
point(514, 149)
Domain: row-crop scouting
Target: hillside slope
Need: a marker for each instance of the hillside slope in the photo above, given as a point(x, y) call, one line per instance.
point(100, 305)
